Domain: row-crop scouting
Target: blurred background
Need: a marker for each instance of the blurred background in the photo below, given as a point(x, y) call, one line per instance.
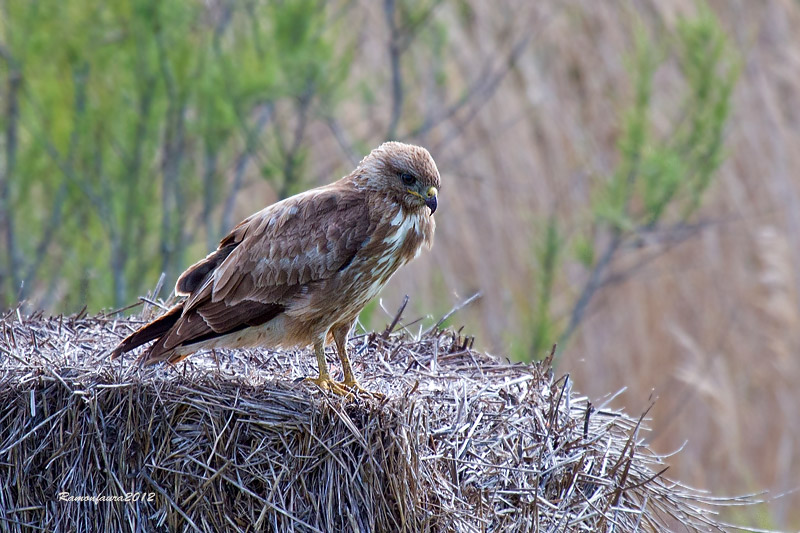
point(618, 177)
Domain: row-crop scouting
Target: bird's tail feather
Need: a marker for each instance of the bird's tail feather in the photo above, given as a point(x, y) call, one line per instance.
point(152, 330)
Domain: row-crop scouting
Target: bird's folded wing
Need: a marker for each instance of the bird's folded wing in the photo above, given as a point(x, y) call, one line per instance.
point(271, 255)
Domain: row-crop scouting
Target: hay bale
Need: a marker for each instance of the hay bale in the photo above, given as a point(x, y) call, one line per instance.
point(230, 441)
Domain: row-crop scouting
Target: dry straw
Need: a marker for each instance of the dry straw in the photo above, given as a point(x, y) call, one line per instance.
point(230, 441)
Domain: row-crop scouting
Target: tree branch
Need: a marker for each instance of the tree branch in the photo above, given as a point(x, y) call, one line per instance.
point(210, 163)
point(251, 141)
point(171, 231)
point(119, 254)
point(593, 284)
point(80, 77)
point(412, 29)
point(395, 52)
point(290, 155)
point(596, 278)
point(6, 213)
point(133, 228)
point(480, 93)
point(341, 137)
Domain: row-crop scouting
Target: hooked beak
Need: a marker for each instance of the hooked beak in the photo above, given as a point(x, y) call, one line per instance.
point(429, 198)
point(431, 201)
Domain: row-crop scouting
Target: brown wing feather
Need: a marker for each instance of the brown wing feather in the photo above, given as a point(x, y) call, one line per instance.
point(305, 238)
point(194, 327)
point(152, 330)
point(196, 274)
point(265, 261)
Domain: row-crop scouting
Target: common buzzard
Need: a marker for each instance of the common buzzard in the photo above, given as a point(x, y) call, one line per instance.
point(299, 271)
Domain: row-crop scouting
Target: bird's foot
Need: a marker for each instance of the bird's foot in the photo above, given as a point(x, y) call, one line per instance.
point(353, 385)
point(347, 389)
point(327, 384)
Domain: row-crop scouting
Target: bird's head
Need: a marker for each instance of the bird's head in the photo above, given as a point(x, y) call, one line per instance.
point(407, 174)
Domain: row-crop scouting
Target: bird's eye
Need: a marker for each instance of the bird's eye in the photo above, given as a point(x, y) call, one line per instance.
point(407, 178)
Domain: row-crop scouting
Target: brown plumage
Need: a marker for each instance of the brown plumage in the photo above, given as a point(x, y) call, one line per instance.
point(299, 271)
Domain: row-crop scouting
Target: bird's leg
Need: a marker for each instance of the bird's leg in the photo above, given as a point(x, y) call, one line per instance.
point(324, 380)
point(340, 338)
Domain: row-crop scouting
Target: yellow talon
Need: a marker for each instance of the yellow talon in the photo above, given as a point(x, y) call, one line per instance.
point(327, 384)
point(354, 386)
point(324, 381)
point(348, 390)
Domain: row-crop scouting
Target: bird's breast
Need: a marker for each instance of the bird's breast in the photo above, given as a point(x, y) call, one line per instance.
point(395, 242)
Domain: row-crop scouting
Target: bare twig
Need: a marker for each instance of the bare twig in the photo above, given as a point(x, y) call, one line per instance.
point(597, 277)
point(453, 311)
point(251, 142)
point(80, 77)
point(210, 160)
point(592, 285)
point(395, 52)
point(173, 239)
point(7, 219)
point(289, 154)
point(396, 318)
point(481, 92)
point(133, 208)
point(341, 137)
point(411, 30)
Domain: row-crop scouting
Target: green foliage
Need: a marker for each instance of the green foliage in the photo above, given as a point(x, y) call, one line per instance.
point(711, 75)
point(672, 171)
point(547, 262)
point(367, 315)
point(584, 251)
point(660, 177)
point(613, 202)
point(122, 107)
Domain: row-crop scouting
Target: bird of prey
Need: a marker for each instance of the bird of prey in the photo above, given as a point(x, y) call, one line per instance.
point(299, 271)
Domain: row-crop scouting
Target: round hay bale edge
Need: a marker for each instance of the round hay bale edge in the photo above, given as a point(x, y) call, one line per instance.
point(234, 441)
